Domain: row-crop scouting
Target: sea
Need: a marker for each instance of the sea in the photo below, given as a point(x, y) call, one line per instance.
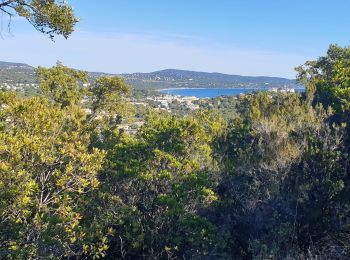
point(215, 92)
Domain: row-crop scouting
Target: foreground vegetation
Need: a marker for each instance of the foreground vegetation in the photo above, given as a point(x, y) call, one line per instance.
point(270, 182)
point(267, 179)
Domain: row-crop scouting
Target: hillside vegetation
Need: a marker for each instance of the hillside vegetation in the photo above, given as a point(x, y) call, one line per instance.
point(11, 72)
point(22, 73)
point(271, 182)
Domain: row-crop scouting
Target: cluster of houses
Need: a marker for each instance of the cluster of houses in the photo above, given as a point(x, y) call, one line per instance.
point(164, 101)
point(18, 86)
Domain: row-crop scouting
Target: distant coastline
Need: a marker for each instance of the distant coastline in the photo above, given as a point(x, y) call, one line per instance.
point(215, 92)
point(253, 88)
point(208, 92)
point(165, 89)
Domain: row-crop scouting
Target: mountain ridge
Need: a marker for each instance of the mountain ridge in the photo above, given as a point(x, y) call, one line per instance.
point(8, 65)
point(168, 78)
point(209, 73)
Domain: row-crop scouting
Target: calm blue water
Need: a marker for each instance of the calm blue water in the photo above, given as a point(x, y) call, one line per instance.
point(213, 92)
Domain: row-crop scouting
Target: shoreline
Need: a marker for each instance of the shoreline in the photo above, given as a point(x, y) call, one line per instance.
point(249, 88)
point(164, 89)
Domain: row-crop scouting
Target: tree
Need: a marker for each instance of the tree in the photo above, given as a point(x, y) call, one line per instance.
point(161, 180)
point(283, 168)
point(327, 81)
point(46, 172)
point(49, 163)
point(107, 96)
point(62, 85)
point(323, 179)
point(49, 16)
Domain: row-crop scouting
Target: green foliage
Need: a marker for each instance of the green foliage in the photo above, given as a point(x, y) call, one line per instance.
point(268, 180)
point(276, 126)
point(225, 105)
point(327, 80)
point(162, 176)
point(49, 167)
point(49, 17)
point(284, 169)
point(46, 168)
point(107, 94)
point(104, 97)
point(62, 84)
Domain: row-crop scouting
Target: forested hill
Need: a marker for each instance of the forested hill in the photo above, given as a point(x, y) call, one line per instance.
point(11, 72)
point(170, 78)
point(14, 66)
point(184, 78)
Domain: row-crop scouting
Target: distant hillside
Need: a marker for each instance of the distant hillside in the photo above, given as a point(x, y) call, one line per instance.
point(183, 78)
point(11, 72)
point(14, 65)
point(170, 78)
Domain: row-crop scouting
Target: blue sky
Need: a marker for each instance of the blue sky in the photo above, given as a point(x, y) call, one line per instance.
point(247, 37)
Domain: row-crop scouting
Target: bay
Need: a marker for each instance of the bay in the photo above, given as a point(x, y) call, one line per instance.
point(214, 92)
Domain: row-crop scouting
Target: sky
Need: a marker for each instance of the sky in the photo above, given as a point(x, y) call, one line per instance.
point(245, 37)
